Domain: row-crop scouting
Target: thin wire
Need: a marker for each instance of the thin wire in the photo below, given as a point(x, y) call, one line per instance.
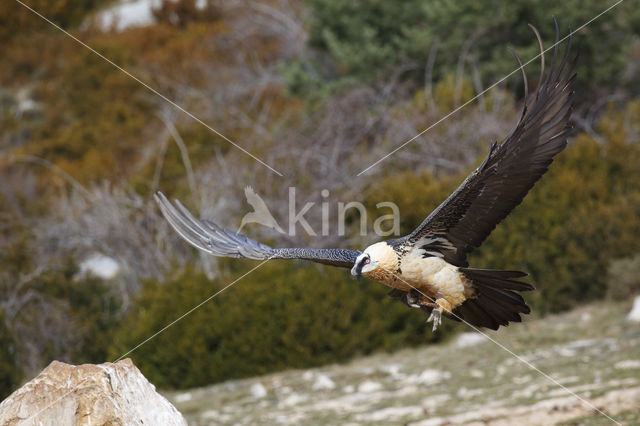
point(487, 89)
point(529, 364)
point(151, 89)
point(518, 357)
point(191, 310)
point(155, 334)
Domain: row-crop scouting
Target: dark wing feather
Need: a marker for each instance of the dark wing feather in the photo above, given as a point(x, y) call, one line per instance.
point(210, 238)
point(463, 221)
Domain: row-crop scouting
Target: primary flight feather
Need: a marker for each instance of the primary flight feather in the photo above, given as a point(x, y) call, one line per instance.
point(428, 268)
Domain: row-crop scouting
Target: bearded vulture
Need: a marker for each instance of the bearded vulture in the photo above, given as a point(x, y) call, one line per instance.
point(428, 268)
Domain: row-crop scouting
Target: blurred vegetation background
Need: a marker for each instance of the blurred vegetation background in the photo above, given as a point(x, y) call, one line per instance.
point(319, 89)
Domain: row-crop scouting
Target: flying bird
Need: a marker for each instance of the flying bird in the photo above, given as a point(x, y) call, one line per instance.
point(428, 269)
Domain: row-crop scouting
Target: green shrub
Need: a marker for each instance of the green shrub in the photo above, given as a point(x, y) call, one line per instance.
point(365, 39)
point(58, 316)
point(16, 20)
point(281, 316)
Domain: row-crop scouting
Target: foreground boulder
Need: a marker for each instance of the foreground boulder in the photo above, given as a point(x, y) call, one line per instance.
point(104, 394)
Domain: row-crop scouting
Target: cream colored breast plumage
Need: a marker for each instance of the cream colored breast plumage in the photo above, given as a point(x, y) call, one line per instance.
point(430, 275)
point(435, 276)
point(416, 267)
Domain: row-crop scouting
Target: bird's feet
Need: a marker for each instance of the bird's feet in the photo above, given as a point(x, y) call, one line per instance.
point(413, 298)
point(436, 317)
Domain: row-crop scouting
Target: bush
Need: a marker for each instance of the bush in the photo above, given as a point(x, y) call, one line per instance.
point(56, 315)
point(281, 316)
point(365, 39)
point(16, 20)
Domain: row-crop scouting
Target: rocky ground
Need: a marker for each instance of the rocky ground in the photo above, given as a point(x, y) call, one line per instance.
point(593, 351)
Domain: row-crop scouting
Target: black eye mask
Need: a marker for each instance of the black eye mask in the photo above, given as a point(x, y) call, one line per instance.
point(359, 267)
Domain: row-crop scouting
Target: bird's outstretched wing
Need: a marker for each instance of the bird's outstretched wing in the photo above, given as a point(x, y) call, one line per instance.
point(463, 221)
point(209, 237)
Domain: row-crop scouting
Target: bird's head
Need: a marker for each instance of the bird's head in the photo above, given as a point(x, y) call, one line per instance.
point(375, 258)
point(363, 264)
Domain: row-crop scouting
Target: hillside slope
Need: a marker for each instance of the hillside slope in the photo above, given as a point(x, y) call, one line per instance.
point(593, 351)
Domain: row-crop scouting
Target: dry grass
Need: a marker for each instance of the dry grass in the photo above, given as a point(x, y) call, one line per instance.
point(592, 351)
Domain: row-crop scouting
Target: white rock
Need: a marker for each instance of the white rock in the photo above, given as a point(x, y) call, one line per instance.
point(308, 375)
point(464, 393)
point(429, 377)
point(285, 390)
point(348, 389)
point(584, 343)
point(566, 352)
point(634, 314)
point(25, 106)
point(137, 13)
point(293, 399)
point(434, 401)
point(521, 380)
point(64, 394)
point(627, 364)
point(470, 339)
point(101, 266)
point(323, 382)
point(394, 370)
point(183, 397)
point(258, 390)
point(130, 14)
point(476, 374)
point(369, 386)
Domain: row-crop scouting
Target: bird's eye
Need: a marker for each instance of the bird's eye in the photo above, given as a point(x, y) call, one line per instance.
point(367, 261)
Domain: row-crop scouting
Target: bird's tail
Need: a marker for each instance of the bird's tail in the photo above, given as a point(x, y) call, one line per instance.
point(496, 302)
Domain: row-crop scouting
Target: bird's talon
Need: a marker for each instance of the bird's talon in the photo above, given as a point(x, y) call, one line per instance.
point(436, 317)
point(413, 299)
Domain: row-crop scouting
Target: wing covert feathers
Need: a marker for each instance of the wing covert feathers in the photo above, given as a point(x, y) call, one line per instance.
point(510, 170)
